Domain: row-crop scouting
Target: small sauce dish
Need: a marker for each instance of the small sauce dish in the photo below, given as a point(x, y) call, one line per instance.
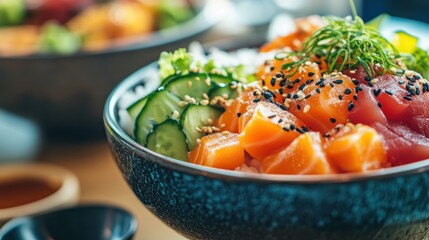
point(84, 222)
point(28, 189)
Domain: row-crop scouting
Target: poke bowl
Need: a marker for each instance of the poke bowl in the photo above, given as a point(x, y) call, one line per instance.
point(64, 91)
point(204, 188)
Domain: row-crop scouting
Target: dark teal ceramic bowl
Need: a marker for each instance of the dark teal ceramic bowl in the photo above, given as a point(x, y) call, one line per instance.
point(65, 94)
point(207, 203)
point(85, 222)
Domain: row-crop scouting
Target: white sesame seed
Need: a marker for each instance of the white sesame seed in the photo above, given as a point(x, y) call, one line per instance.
point(175, 115)
point(306, 108)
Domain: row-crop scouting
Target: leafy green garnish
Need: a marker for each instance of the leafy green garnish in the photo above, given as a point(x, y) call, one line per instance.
point(58, 39)
point(177, 62)
point(348, 43)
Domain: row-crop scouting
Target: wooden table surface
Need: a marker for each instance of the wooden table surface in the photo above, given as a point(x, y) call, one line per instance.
point(102, 182)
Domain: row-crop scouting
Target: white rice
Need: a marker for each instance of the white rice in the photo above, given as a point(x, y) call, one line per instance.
point(248, 57)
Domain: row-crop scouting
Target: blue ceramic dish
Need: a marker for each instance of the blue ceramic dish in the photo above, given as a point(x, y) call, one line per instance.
point(207, 203)
point(86, 222)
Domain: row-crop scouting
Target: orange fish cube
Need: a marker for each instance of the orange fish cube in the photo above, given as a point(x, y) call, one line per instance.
point(305, 155)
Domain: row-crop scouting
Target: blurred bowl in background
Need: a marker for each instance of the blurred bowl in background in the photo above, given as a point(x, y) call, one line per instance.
point(35, 188)
point(65, 93)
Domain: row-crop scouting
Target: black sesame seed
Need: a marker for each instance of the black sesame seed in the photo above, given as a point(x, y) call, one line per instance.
point(263, 82)
point(273, 81)
point(355, 97)
point(331, 84)
point(347, 91)
point(339, 81)
point(351, 106)
point(289, 87)
point(322, 85)
point(282, 83)
point(298, 107)
point(292, 127)
point(340, 97)
point(333, 120)
point(268, 95)
point(408, 98)
point(305, 129)
point(401, 82)
point(410, 83)
point(309, 81)
point(318, 90)
point(370, 84)
point(310, 74)
point(379, 105)
point(367, 78)
point(278, 75)
point(297, 80)
point(281, 91)
point(388, 92)
point(417, 91)
point(280, 120)
point(309, 95)
point(283, 107)
point(288, 95)
point(302, 86)
point(272, 116)
point(239, 114)
point(410, 79)
point(425, 87)
point(295, 96)
point(272, 68)
point(417, 77)
point(286, 129)
point(376, 92)
point(299, 131)
point(355, 82)
point(256, 100)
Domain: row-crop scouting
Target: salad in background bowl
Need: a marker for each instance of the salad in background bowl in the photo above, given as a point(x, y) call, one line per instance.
point(65, 27)
point(64, 93)
point(319, 134)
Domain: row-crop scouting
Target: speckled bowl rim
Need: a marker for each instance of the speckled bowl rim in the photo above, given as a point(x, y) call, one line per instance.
point(201, 22)
point(112, 126)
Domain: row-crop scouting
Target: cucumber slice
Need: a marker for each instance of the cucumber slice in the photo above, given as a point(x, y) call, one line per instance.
point(197, 116)
point(137, 107)
point(169, 140)
point(159, 107)
point(220, 79)
point(193, 85)
point(231, 92)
